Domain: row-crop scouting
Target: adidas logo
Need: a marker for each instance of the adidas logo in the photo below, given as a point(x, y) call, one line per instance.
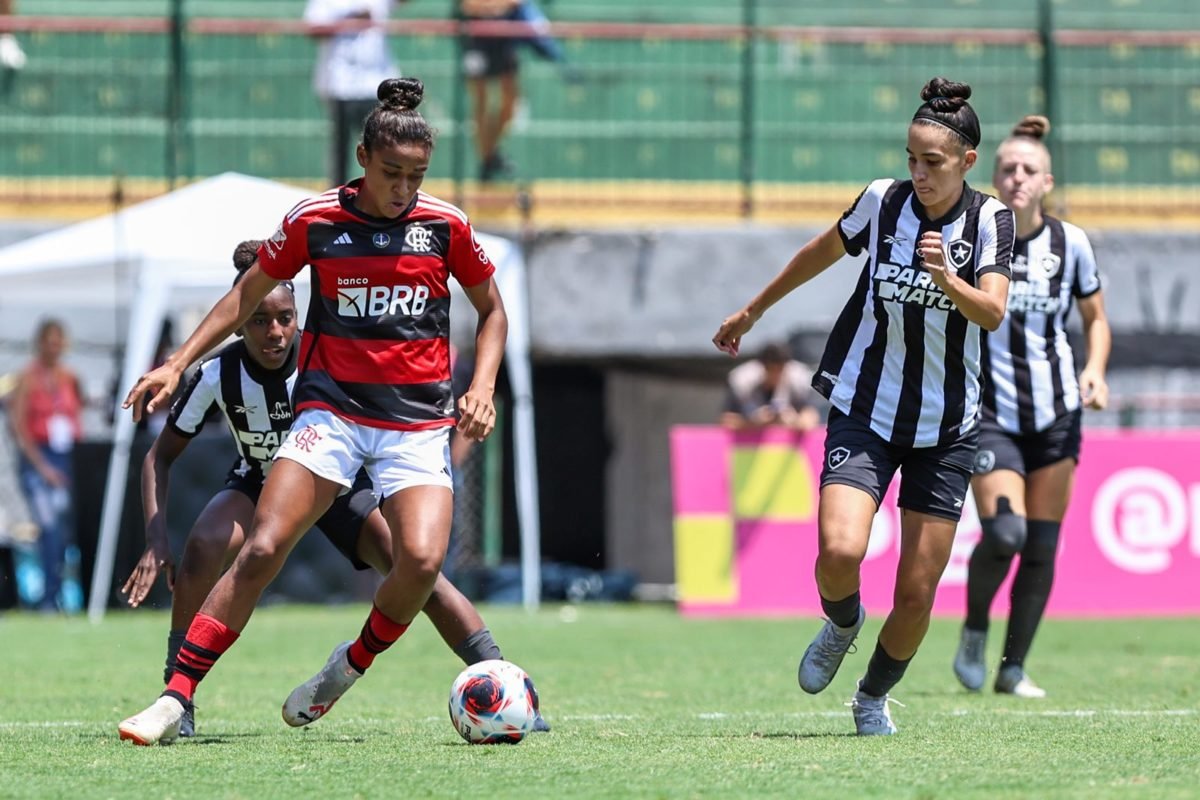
point(343, 239)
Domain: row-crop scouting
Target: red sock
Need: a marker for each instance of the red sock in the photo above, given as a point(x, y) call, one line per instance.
point(207, 638)
point(378, 634)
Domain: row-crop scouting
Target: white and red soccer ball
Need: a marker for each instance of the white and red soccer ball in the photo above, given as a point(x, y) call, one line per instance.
point(493, 702)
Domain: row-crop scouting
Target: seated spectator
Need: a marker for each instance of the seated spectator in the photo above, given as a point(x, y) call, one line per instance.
point(773, 389)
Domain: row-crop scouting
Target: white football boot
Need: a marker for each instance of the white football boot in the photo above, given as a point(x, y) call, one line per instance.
point(1013, 680)
point(158, 724)
point(871, 714)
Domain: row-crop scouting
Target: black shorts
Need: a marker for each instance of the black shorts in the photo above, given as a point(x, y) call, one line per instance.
point(344, 520)
point(490, 57)
point(1028, 452)
point(933, 480)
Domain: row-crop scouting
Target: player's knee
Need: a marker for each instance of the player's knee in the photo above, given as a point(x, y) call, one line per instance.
point(204, 554)
point(1042, 541)
point(260, 559)
point(1005, 533)
point(913, 598)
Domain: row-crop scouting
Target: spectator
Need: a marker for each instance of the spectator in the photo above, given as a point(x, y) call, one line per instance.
point(12, 57)
point(491, 60)
point(45, 408)
point(773, 389)
point(352, 61)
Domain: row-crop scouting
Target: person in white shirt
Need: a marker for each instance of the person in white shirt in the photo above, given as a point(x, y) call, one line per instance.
point(352, 60)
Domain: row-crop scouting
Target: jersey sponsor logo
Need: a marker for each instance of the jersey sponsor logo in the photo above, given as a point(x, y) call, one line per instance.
point(829, 376)
point(898, 284)
point(381, 240)
point(377, 301)
point(838, 456)
point(344, 238)
point(417, 239)
point(1032, 295)
point(260, 445)
point(244, 409)
point(960, 251)
point(281, 411)
point(274, 245)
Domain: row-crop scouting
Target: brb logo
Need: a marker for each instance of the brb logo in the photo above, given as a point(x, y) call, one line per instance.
point(356, 298)
point(1139, 515)
point(907, 285)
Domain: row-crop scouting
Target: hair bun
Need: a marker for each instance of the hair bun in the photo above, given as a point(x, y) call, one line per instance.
point(401, 94)
point(945, 95)
point(1033, 126)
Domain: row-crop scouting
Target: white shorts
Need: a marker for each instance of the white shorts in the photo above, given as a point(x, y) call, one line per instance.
point(335, 448)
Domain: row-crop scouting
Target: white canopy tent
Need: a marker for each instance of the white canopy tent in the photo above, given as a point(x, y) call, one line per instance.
point(173, 253)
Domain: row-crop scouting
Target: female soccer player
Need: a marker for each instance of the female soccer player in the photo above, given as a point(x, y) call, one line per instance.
point(373, 390)
point(1029, 436)
point(901, 371)
point(250, 383)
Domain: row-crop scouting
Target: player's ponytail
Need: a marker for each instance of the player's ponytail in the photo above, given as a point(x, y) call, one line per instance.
point(244, 256)
point(395, 119)
point(945, 104)
point(1032, 126)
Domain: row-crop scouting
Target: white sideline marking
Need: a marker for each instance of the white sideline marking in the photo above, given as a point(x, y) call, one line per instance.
point(69, 723)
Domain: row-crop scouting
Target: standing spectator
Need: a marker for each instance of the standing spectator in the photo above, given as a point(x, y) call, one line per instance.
point(45, 408)
point(352, 61)
point(12, 57)
point(1030, 435)
point(491, 61)
point(773, 389)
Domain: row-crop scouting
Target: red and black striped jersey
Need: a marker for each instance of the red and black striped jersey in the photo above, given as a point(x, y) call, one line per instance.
point(376, 347)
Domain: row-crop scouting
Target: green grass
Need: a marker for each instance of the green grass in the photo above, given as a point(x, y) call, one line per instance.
point(643, 704)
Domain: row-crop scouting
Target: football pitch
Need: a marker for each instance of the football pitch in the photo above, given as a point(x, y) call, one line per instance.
point(642, 704)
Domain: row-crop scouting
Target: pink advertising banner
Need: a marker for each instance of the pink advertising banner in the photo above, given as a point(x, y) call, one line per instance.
point(746, 527)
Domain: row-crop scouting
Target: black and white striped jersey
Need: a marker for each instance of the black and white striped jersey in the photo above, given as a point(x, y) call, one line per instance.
point(1029, 369)
point(256, 402)
point(901, 357)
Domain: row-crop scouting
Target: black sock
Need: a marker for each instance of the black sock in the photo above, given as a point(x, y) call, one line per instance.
point(174, 642)
point(844, 612)
point(883, 672)
point(479, 646)
point(1031, 589)
point(986, 570)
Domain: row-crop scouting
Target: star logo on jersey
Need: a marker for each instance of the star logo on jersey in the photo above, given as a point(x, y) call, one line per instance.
point(244, 409)
point(960, 251)
point(1049, 265)
point(838, 456)
point(418, 239)
point(985, 461)
point(381, 240)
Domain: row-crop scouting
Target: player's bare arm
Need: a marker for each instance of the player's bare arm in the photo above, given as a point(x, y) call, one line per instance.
point(230, 312)
point(476, 408)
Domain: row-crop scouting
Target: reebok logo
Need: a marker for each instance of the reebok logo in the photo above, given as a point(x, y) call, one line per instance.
point(344, 238)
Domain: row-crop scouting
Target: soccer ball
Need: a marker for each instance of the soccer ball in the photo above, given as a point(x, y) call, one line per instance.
point(493, 702)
